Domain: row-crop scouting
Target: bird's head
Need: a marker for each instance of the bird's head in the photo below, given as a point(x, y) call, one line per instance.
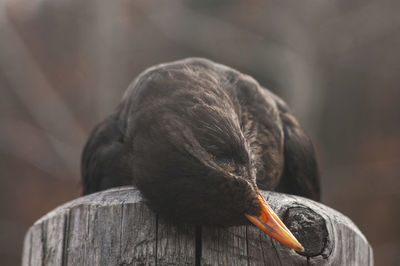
point(192, 161)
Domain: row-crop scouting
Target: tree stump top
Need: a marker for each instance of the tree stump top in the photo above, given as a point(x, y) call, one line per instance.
point(115, 227)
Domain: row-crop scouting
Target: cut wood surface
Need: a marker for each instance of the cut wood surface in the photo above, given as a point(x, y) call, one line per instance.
point(115, 227)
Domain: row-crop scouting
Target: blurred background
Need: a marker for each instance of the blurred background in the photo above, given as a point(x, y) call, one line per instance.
point(65, 64)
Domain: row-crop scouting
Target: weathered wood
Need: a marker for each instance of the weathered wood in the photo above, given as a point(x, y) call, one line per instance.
point(115, 227)
point(224, 246)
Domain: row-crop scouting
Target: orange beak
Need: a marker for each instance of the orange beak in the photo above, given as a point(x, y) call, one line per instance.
point(270, 223)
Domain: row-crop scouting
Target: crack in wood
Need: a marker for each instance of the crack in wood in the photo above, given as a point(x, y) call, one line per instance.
point(64, 258)
point(247, 248)
point(198, 247)
point(156, 252)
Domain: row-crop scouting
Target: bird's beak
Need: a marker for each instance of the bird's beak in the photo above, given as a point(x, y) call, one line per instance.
point(270, 223)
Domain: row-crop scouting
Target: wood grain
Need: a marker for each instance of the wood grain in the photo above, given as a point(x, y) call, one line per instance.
point(115, 227)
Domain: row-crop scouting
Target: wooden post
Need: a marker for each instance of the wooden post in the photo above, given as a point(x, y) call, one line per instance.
point(115, 227)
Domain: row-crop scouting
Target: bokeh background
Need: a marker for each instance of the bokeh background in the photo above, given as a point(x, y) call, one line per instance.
point(65, 64)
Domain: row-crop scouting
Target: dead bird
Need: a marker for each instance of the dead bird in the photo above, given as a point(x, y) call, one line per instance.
point(199, 139)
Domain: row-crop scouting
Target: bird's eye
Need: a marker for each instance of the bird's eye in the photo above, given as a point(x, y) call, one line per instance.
point(224, 163)
point(228, 169)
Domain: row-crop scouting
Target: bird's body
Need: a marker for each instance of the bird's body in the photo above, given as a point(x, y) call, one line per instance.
point(198, 138)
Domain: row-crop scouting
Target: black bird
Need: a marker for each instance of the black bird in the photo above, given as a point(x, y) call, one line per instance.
point(199, 139)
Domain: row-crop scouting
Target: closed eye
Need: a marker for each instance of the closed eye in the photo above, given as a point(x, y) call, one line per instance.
point(227, 164)
point(229, 170)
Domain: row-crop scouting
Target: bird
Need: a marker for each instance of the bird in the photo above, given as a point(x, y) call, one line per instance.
point(200, 140)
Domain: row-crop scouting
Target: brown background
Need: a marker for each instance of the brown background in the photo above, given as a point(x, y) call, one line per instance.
point(65, 64)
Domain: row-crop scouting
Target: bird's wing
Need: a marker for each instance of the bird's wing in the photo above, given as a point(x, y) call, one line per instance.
point(103, 162)
point(300, 174)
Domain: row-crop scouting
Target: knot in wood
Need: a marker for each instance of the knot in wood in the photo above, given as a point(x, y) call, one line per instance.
point(309, 228)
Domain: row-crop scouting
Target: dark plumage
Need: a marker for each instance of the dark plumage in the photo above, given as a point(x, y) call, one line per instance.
point(197, 138)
